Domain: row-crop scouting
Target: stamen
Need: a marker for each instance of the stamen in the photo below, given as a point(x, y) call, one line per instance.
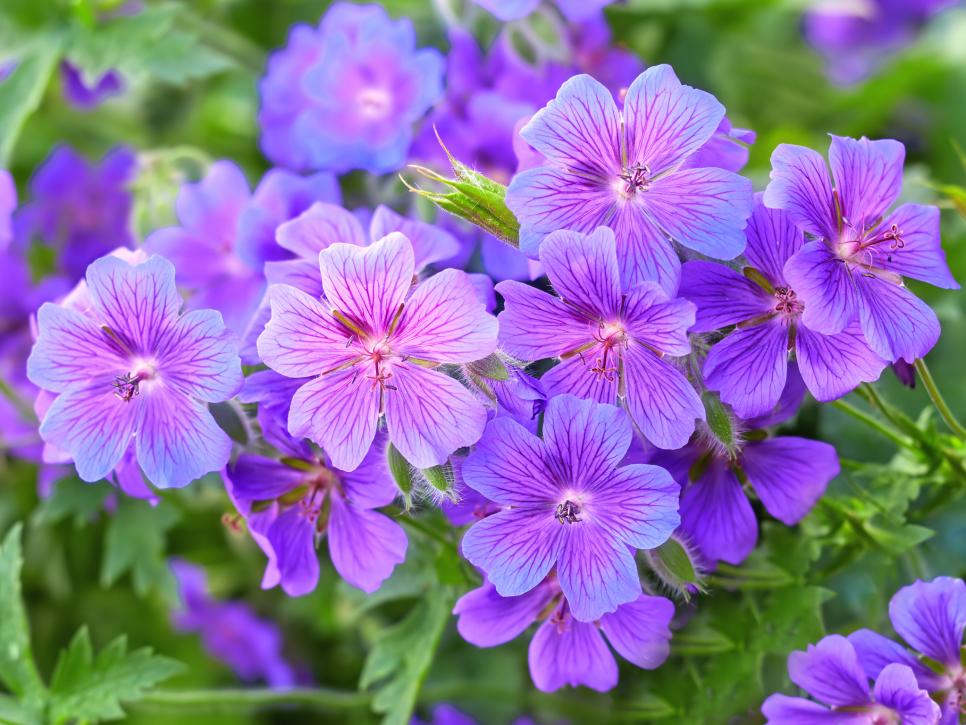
point(127, 386)
point(567, 512)
point(788, 303)
point(635, 178)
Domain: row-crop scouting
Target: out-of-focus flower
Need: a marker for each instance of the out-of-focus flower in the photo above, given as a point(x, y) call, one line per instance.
point(749, 367)
point(611, 337)
point(346, 96)
point(568, 506)
point(86, 96)
point(853, 269)
point(930, 617)
point(574, 10)
point(131, 371)
point(624, 169)
point(830, 672)
point(8, 202)
point(373, 348)
point(230, 631)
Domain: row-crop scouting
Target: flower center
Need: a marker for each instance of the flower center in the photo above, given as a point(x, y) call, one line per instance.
point(380, 354)
point(633, 179)
point(374, 102)
point(612, 338)
point(787, 303)
point(128, 386)
point(568, 512)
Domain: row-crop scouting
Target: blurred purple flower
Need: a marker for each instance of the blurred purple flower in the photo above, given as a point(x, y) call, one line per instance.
point(82, 211)
point(87, 96)
point(345, 96)
point(567, 506)
point(624, 169)
point(227, 236)
point(830, 672)
point(854, 267)
point(749, 366)
point(611, 338)
point(231, 632)
point(133, 372)
point(373, 348)
point(565, 650)
point(930, 617)
point(8, 203)
point(574, 10)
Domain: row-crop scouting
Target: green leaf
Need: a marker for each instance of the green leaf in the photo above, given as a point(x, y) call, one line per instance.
point(85, 687)
point(402, 472)
point(21, 93)
point(73, 499)
point(401, 656)
point(135, 543)
point(896, 538)
point(17, 669)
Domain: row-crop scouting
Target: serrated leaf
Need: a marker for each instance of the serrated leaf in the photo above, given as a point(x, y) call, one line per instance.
point(85, 687)
point(401, 656)
point(17, 669)
point(896, 538)
point(135, 543)
point(22, 91)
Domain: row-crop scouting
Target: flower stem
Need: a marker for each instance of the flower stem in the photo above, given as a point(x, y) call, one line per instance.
point(315, 698)
point(873, 423)
point(938, 401)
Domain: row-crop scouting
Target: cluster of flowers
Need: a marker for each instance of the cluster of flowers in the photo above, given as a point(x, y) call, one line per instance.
point(672, 288)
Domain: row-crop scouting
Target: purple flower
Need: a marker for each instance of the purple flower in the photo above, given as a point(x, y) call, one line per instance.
point(574, 10)
point(87, 96)
point(788, 475)
point(830, 672)
point(81, 210)
point(853, 267)
point(567, 506)
point(749, 366)
point(133, 372)
point(856, 37)
point(565, 650)
point(374, 348)
point(8, 202)
point(227, 235)
point(346, 96)
point(624, 169)
point(611, 337)
point(231, 631)
point(930, 617)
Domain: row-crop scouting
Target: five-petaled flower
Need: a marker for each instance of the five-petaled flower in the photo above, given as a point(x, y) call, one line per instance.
point(612, 339)
point(627, 170)
point(133, 372)
point(373, 347)
point(749, 367)
point(568, 505)
point(852, 268)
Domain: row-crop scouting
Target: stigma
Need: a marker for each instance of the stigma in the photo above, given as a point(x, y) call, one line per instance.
point(568, 512)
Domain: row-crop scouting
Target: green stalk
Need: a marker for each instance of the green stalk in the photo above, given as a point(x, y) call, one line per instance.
point(315, 698)
point(938, 401)
point(873, 423)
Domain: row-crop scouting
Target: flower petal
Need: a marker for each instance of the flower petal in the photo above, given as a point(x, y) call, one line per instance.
point(640, 630)
point(833, 365)
point(659, 322)
point(638, 503)
point(535, 325)
point(896, 688)
point(486, 619)
point(200, 357)
point(789, 474)
point(801, 187)
point(596, 570)
point(644, 253)
point(583, 270)
point(867, 176)
point(921, 255)
point(571, 653)
point(508, 465)
point(827, 286)
point(931, 617)
point(365, 545)
point(830, 672)
point(875, 652)
point(292, 540)
point(319, 227)
point(254, 478)
point(895, 322)
point(430, 243)
point(717, 517)
point(576, 376)
point(785, 710)
point(773, 238)
point(723, 296)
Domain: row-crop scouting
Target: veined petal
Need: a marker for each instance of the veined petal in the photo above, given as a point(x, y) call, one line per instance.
point(931, 616)
point(319, 227)
point(579, 129)
point(895, 322)
point(344, 396)
point(703, 209)
point(254, 478)
point(535, 325)
point(430, 243)
point(291, 537)
point(71, 350)
point(723, 296)
point(136, 301)
point(585, 441)
point(429, 415)
point(875, 652)
point(867, 175)
point(789, 474)
point(302, 338)
point(571, 653)
point(749, 367)
point(516, 547)
point(178, 440)
point(486, 619)
point(800, 186)
point(508, 465)
point(370, 485)
point(638, 503)
point(657, 321)
point(833, 365)
point(443, 320)
point(784, 710)
point(921, 255)
point(200, 357)
point(666, 121)
point(583, 270)
point(773, 238)
point(365, 545)
point(596, 570)
point(716, 515)
point(302, 274)
point(830, 672)
point(577, 376)
point(367, 284)
point(644, 253)
point(640, 630)
point(92, 425)
point(661, 401)
point(896, 688)
point(827, 286)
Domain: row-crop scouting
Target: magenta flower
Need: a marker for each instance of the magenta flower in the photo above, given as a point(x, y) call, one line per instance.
point(134, 372)
point(930, 617)
point(374, 348)
point(625, 169)
point(830, 672)
point(612, 339)
point(564, 650)
point(749, 367)
point(568, 506)
point(853, 269)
